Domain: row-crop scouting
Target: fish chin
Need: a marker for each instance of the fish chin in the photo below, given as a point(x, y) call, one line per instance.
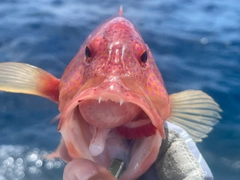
point(104, 125)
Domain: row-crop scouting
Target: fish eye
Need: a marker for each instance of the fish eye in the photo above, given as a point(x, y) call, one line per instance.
point(144, 57)
point(88, 52)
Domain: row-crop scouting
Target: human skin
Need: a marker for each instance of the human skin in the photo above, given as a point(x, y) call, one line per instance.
point(89, 171)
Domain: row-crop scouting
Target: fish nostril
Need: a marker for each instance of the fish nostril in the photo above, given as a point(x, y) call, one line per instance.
point(88, 54)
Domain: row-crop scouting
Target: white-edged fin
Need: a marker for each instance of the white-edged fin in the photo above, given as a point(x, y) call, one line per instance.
point(24, 78)
point(194, 111)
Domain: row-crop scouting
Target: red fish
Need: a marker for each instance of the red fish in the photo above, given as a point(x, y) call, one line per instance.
point(112, 99)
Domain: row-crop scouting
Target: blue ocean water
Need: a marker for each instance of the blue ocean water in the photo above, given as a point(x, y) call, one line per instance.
point(196, 45)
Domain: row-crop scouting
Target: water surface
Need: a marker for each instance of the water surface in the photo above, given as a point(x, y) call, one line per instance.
point(196, 45)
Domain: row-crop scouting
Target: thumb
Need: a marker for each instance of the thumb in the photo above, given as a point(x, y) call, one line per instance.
point(83, 169)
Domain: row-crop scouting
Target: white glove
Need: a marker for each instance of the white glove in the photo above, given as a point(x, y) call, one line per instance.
point(178, 159)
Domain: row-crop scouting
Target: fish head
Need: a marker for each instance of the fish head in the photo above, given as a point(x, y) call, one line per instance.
point(112, 99)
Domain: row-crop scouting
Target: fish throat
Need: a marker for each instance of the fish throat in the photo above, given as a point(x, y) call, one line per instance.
point(104, 115)
point(129, 119)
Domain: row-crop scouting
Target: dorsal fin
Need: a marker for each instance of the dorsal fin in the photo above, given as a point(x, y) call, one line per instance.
point(120, 12)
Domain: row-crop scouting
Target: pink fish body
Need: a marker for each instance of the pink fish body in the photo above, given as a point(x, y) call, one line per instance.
point(114, 71)
point(113, 101)
point(114, 83)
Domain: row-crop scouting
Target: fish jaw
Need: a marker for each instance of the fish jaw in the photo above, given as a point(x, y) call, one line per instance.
point(112, 89)
point(143, 157)
point(138, 158)
point(89, 133)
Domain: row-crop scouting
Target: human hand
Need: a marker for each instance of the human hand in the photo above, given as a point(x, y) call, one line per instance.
point(188, 165)
point(83, 169)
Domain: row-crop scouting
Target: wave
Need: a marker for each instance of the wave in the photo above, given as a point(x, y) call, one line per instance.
point(21, 162)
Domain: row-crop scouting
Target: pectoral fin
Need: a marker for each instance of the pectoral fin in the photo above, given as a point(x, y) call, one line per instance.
point(195, 112)
point(24, 78)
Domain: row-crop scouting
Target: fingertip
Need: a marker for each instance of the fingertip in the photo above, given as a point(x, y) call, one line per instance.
point(79, 169)
point(83, 169)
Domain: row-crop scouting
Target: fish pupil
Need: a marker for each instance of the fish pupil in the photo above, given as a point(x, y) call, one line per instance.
point(144, 57)
point(88, 52)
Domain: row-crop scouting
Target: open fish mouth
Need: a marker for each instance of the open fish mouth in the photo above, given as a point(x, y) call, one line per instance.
point(101, 125)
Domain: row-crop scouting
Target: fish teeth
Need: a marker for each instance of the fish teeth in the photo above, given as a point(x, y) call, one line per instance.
point(121, 102)
point(99, 99)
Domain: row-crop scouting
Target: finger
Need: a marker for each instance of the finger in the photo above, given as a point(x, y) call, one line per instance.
point(83, 169)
